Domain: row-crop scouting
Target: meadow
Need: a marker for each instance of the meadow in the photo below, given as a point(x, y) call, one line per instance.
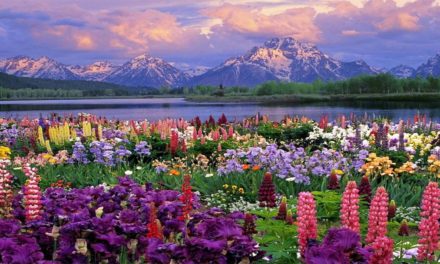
point(84, 189)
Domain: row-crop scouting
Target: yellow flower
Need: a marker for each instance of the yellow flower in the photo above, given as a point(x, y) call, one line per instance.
point(339, 172)
point(234, 187)
point(47, 156)
point(5, 152)
point(241, 190)
point(225, 186)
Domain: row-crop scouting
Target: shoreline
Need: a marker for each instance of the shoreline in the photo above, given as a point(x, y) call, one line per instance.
point(312, 98)
point(263, 99)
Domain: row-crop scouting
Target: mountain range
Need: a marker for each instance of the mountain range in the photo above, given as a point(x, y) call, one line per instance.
point(279, 59)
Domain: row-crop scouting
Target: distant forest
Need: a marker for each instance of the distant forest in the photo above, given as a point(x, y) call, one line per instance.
point(369, 84)
point(12, 87)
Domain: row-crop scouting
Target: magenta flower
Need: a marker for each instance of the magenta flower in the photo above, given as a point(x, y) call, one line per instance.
point(378, 215)
point(350, 207)
point(429, 226)
point(383, 250)
point(307, 223)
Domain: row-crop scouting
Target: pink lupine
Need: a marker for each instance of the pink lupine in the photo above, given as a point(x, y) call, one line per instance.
point(215, 135)
point(383, 251)
point(378, 215)
point(32, 194)
point(350, 207)
point(224, 134)
point(230, 132)
point(307, 223)
point(429, 226)
point(174, 142)
point(194, 135)
point(6, 194)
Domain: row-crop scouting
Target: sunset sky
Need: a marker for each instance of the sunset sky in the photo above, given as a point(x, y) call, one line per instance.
point(206, 32)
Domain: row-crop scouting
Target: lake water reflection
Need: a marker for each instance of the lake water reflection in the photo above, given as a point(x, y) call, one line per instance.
point(158, 108)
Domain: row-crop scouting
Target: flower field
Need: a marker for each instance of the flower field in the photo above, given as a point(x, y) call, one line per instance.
point(85, 189)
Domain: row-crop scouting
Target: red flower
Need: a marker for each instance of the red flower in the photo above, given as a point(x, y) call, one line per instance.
point(282, 210)
point(186, 198)
point(154, 227)
point(392, 208)
point(365, 189)
point(403, 229)
point(333, 183)
point(249, 225)
point(174, 142)
point(266, 193)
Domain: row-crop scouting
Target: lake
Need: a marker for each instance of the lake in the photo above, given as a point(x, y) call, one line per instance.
point(158, 108)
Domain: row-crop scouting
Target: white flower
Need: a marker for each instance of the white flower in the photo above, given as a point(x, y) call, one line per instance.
point(209, 175)
point(138, 168)
point(290, 179)
point(128, 172)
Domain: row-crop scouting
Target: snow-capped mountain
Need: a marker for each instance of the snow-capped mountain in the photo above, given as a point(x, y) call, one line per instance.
point(96, 71)
point(282, 59)
point(402, 71)
point(42, 67)
point(189, 70)
point(279, 59)
point(429, 68)
point(147, 71)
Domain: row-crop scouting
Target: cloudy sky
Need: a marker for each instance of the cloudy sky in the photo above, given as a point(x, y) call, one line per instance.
point(206, 32)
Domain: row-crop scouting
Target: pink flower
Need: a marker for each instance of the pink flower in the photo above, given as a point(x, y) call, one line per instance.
point(307, 223)
point(32, 194)
point(383, 250)
point(6, 194)
point(429, 226)
point(350, 207)
point(378, 215)
point(174, 142)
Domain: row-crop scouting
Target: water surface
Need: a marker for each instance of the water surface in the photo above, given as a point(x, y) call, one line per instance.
point(158, 108)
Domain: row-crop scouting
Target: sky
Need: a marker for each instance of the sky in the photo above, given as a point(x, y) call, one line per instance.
point(384, 33)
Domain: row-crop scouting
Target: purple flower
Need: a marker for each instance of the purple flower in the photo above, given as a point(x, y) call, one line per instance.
point(142, 149)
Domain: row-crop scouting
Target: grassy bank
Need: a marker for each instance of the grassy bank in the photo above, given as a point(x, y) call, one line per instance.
point(93, 97)
point(306, 98)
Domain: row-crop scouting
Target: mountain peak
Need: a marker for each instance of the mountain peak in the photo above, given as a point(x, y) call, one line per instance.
point(282, 59)
point(287, 43)
point(147, 71)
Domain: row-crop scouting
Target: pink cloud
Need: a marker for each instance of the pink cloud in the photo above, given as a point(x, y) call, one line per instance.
point(399, 21)
point(350, 32)
point(294, 22)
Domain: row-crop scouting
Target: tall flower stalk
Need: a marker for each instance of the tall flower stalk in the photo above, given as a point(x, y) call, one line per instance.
point(154, 227)
point(307, 223)
point(186, 197)
point(429, 226)
point(378, 215)
point(350, 207)
point(383, 250)
point(32, 194)
point(6, 195)
point(266, 193)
